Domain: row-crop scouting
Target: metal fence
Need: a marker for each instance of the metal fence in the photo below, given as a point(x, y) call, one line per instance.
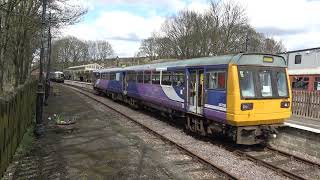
point(306, 104)
point(17, 110)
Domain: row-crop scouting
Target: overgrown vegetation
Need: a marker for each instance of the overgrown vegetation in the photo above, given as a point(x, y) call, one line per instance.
point(20, 35)
point(222, 29)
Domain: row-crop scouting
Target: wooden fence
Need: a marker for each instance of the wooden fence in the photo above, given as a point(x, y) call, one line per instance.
point(17, 110)
point(306, 104)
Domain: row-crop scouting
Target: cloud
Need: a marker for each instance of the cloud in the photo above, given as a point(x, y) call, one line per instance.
point(123, 30)
point(288, 20)
point(275, 31)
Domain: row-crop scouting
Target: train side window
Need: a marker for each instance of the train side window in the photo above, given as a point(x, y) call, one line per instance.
point(146, 77)
point(155, 77)
point(166, 78)
point(112, 76)
point(140, 77)
point(216, 80)
point(177, 78)
point(297, 59)
point(103, 76)
point(118, 76)
point(131, 76)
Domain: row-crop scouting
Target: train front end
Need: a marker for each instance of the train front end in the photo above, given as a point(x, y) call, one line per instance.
point(259, 97)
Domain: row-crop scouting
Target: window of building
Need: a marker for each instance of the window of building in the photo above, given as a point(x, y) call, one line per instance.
point(177, 78)
point(317, 83)
point(155, 77)
point(216, 80)
point(140, 77)
point(300, 83)
point(166, 78)
point(147, 77)
point(297, 59)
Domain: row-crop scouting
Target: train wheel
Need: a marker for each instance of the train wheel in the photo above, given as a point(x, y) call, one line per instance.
point(196, 125)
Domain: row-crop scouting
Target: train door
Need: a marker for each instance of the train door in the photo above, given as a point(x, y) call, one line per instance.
point(124, 83)
point(195, 90)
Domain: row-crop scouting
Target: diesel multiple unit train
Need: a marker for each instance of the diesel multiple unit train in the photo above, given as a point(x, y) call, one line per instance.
point(244, 96)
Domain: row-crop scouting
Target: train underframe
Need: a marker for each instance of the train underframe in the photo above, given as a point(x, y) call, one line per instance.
point(246, 135)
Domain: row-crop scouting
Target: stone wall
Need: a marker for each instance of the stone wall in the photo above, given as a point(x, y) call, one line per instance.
point(298, 140)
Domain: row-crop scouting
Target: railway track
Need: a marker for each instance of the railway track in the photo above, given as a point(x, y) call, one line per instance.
point(220, 172)
point(283, 163)
point(287, 164)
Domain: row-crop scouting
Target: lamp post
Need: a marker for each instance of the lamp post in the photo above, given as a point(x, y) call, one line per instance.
point(39, 130)
point(47, 86)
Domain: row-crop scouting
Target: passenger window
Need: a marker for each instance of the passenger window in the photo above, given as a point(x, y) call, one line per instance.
point(112, 76)
point(246, 83)
point(265, 82)
point(118, 76)
point(216, 80)
point(140, 77)
point(177, 78)
point(131, 76)
point(166, 78)
point(297, 59)
point(146, 77)
point(155, 77)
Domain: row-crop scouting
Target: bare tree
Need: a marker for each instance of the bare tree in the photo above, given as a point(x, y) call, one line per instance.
point(222, 29)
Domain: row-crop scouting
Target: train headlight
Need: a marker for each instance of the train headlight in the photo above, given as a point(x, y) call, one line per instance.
point(246, 106)
point(285, 104)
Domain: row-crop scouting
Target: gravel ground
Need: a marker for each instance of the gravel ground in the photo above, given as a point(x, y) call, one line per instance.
point(239, 167)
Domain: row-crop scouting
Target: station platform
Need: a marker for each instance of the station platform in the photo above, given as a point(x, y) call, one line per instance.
point(307, 124)
point(96, 146)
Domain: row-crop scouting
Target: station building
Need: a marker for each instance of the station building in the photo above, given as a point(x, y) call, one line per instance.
point(304, 68)
point(82, 72)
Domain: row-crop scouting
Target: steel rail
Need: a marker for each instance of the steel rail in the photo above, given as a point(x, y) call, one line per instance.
point(269, 165)
point(216, 168)
point(301, 159)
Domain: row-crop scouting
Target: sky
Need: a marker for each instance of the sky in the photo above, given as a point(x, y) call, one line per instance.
point(124, 23)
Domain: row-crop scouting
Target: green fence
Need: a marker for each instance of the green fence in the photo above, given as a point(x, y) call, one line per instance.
point(17, 110)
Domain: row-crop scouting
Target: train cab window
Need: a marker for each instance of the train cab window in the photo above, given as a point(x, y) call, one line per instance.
point(140, 77)
point(246, 83)
point(297, 59)
point(216, 80)
point(282, 84)
point(147, 77)
point(265, 83)
point(155, 77)
point(117, 76)
point(166, 78)
point(177, 78)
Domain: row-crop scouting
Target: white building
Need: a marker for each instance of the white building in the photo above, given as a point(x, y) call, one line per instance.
point(304, 68)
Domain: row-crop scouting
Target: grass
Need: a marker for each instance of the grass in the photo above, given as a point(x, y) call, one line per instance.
point(26, 142)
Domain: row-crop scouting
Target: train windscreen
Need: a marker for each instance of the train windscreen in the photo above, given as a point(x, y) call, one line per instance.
point(263, 82)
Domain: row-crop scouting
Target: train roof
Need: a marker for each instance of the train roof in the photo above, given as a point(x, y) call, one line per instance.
point(240, 59)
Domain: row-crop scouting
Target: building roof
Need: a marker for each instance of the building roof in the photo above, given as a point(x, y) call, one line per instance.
point(301, 50)
point(88, 67)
